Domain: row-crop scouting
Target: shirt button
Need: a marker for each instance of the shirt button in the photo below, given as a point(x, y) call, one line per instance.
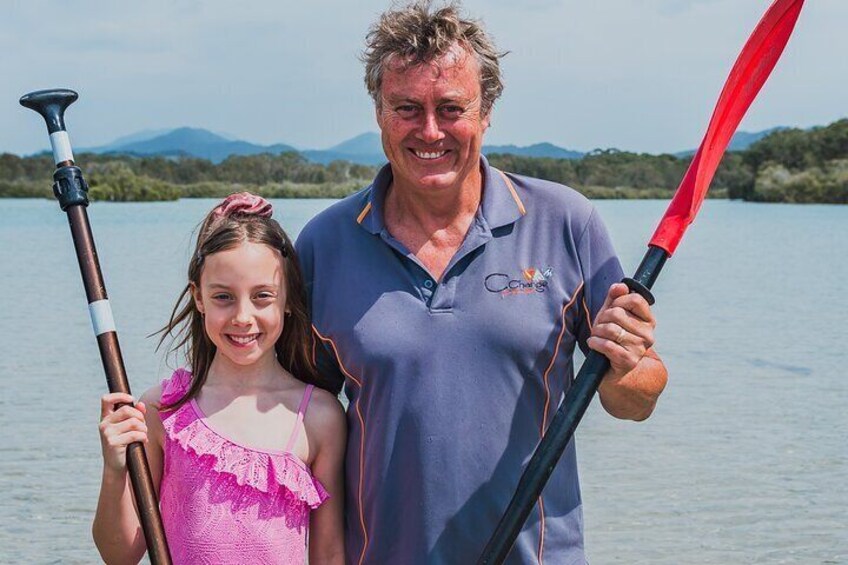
point(428, 284)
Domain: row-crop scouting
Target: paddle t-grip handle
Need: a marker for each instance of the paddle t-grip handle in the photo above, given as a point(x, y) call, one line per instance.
point(51, 104)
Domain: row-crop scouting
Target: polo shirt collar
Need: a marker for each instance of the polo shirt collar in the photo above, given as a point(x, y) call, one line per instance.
point(500, 206)
point(371, 217)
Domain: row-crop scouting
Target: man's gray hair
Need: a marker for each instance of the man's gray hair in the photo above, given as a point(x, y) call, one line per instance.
point(417, 33)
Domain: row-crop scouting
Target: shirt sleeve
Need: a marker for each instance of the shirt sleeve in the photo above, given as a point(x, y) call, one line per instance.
point(600, 268)
point(324, 359)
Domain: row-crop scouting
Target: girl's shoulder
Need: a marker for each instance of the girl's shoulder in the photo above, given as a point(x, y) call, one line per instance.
point(168, 391)
point(325, 417)
point(324, 400)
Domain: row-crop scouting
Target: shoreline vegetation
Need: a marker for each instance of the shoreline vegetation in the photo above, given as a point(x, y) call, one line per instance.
point(790, 165)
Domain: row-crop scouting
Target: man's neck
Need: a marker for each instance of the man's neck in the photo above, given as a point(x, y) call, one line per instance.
point(433, 225)
point(428, 213)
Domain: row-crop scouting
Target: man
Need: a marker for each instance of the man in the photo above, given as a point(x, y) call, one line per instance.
point(449, 296)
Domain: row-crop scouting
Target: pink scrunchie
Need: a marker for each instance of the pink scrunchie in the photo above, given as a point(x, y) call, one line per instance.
point(243, 203)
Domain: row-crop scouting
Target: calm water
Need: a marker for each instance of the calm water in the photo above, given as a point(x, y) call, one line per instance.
point(744, 461)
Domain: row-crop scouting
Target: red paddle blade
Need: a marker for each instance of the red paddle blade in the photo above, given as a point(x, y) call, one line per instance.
point(747, 77)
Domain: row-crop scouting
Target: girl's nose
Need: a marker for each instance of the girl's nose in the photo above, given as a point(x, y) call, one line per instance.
point(243, 313)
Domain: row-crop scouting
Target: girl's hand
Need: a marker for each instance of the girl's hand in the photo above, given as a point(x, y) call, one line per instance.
point(119, 428)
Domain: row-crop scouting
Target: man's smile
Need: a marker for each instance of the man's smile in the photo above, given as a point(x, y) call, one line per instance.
point(429, 155)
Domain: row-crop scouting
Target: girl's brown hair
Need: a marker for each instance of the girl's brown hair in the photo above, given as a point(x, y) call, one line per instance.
point(224, 228)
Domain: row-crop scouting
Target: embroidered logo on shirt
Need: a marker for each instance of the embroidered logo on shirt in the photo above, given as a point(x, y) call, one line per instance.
point(531, 280)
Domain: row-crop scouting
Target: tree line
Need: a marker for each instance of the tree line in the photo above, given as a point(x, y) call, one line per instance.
point(789, 165)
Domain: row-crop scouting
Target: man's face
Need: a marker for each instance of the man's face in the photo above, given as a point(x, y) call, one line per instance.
point(431, 121)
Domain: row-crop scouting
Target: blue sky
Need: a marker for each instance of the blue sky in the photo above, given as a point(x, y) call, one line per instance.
point(640, 75)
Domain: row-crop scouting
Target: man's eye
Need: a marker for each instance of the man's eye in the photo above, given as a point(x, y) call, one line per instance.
point(406, 110)
point(451, 111)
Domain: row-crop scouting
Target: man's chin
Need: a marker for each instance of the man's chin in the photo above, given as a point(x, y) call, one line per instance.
point(440, 181)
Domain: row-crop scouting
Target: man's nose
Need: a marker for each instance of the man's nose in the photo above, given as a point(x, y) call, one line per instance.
point(431, 130)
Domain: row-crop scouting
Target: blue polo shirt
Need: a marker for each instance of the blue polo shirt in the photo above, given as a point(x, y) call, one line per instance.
point(451, 383)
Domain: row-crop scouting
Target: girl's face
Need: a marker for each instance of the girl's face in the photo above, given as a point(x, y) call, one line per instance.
point(242, 296)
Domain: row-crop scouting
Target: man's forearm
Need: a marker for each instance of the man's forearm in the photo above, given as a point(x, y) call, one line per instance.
point(634, 395)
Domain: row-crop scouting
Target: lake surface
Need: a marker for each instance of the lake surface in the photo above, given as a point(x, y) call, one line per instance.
point(744, 461)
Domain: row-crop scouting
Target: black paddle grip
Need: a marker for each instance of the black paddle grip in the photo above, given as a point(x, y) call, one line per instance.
point(70, 187)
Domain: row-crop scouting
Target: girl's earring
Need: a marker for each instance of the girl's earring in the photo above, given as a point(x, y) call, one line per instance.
point(288, 314)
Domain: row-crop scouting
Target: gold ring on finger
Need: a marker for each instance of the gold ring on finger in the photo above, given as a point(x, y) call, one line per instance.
point(621, 334)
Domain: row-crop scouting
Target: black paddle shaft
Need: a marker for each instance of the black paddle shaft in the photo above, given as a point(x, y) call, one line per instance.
point(71, 190)
point(562, 427)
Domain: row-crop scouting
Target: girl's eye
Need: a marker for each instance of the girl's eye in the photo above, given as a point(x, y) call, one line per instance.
point(265, 296)
point(221, 296)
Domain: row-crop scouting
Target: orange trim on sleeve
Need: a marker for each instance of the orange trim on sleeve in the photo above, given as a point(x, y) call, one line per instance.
point(363, 213)
point(547, 407)
point(512, 191)
point(361, 438)
point(588, 315)
point(553, 358)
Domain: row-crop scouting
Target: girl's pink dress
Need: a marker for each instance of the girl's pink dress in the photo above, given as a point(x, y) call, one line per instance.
point(227, 503)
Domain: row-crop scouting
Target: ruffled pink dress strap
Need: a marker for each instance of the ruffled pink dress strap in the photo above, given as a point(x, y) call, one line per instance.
point(175, 387)
point(301, 413)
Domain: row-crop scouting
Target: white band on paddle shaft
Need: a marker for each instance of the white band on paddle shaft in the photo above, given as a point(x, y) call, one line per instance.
point(101, 317)
point(61, 144)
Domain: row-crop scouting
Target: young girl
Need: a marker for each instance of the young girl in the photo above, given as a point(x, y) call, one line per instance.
point(245, 451)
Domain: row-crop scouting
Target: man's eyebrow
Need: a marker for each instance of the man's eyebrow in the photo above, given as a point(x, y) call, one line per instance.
point(395, 99)
point(455, 98)
point(448, 98)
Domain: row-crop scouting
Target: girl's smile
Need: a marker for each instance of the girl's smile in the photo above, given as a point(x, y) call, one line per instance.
point(242, 340)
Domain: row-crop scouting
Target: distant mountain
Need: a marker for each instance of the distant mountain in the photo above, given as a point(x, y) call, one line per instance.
point(535, 150)
point(740, 141)
point(191, 142)
point(125, 140)
point(363, 144)
point(365, 149)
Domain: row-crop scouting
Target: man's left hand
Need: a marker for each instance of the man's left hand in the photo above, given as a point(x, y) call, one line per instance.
point(623, 330)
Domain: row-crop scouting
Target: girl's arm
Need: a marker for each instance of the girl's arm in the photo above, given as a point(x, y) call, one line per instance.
point(326, 430)
point(116, 529)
